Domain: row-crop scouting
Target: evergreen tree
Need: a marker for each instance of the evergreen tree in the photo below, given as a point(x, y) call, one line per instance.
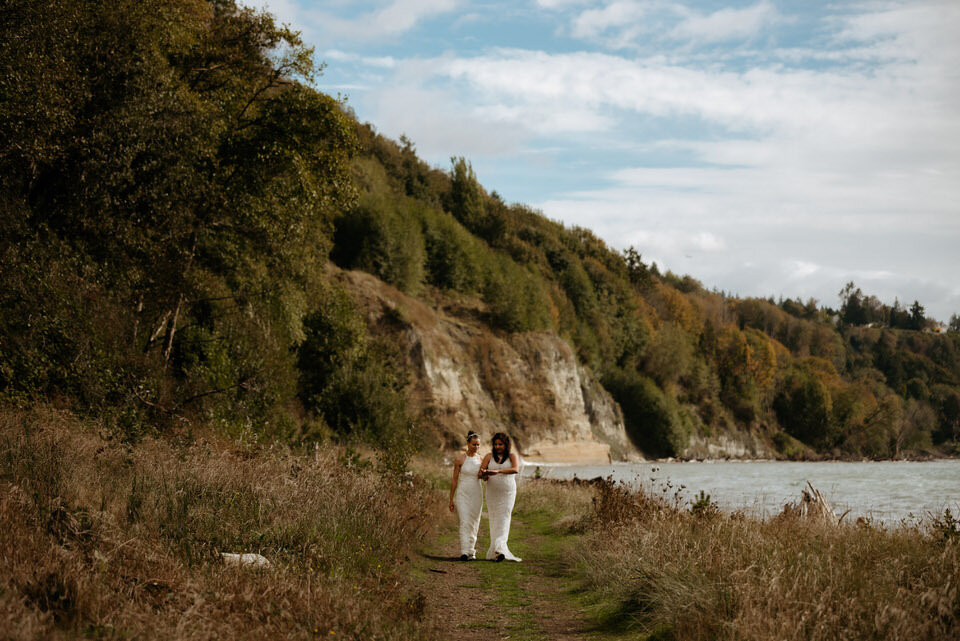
point(917, 319)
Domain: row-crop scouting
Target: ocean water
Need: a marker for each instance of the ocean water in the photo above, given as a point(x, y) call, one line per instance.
point(889, 492)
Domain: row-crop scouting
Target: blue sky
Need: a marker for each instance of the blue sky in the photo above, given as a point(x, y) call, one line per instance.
point(763, 147)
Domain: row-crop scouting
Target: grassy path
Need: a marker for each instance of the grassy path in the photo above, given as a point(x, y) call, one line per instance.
point(539, 599)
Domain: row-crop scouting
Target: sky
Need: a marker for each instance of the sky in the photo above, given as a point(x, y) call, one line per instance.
point(765, 148)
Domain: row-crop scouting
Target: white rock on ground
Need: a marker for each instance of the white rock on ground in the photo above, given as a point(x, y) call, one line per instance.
point(249, 558)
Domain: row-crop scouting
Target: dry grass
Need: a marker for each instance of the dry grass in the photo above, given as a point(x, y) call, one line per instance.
point(103, 540)
point(678, 575)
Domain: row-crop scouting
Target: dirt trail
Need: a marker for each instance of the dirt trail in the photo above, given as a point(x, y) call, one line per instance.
point(484, 600)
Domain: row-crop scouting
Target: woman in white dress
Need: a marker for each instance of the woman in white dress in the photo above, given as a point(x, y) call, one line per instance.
point(466, 495)
point(500, 468)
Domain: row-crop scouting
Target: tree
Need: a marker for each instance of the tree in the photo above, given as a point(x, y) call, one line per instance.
point(917, 319)
point(954, 325)
point(175, 153)
point(466, 196)
point(899, 317)
point(637, 271)
point(852, 310)
point(651, 417)
point(804, 407)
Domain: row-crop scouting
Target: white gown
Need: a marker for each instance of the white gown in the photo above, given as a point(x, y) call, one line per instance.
point(501, 495)
point(469, 502)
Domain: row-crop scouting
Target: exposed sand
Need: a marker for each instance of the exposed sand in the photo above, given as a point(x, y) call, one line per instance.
point(584, 452)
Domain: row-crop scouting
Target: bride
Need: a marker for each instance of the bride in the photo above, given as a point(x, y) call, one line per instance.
point(466, 495)
point(500, 468)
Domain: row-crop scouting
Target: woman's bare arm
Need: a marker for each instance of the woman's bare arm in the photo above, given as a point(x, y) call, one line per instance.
point(484, 472)
point(513, 469)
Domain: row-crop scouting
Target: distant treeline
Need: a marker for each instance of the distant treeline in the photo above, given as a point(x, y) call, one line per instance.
point(172, 188)
point(679, 359)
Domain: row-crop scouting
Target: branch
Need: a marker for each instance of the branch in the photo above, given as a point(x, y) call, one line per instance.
point(221, 390)
point(160, 408)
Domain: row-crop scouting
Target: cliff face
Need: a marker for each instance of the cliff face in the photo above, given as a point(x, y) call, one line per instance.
point(527, 385)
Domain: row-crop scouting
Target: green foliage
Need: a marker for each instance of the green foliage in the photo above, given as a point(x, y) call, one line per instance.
point(638, 273)
point(166, 168)
point(382, 237)
point(517, 300)
point(703, 508)
point(670, 355)
point(453, 255)
point(578, 286)
point(804, 407)
point(466, 195)
point(651, 417)
point(946, 403)
point(354, 383)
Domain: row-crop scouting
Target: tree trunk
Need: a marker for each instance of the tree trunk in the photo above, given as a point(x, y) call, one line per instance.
point(171, 331)
point(136, 320)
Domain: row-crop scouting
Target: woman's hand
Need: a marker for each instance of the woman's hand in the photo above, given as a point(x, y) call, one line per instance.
point(452, 508)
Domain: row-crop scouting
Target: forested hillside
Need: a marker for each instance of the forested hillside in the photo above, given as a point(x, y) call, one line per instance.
point(172, 189)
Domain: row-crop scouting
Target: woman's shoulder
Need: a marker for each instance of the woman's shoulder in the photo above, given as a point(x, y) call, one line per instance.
point(459, 458)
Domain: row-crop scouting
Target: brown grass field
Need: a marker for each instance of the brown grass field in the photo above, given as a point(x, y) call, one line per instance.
point(101, 539)
point(105, 540)
point(679, 573)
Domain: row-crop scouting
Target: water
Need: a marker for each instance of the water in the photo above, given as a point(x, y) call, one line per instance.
point(888, 492)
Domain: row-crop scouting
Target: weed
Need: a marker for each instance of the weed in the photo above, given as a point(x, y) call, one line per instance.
point(702, 507)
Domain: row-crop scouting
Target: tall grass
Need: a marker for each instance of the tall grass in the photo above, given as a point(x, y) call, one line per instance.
point(103, 540)
point(699, 574)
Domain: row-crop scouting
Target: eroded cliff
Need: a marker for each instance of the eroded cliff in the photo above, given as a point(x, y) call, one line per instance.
point(528, 385)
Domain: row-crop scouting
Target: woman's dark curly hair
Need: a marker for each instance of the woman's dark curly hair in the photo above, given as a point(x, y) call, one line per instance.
point(503, 438)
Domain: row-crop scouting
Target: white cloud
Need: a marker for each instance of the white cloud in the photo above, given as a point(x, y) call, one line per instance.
point(622, 15)
point(625, 23)
point(389, 20)
point(285, 11)
point(725, 24)
point(385, 62)
point(784, 177)
point(401, 15)
point(561, 4)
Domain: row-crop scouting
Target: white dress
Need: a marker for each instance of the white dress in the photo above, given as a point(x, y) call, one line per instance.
point(469, 502)
point(501, 495)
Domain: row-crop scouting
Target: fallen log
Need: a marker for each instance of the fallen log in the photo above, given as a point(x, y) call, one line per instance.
point(812, 506)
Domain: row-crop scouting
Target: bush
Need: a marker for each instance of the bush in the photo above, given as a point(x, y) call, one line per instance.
point(383, 239)
point(669, 355)
point(517, 299)
point(453, 255)
point(355, 384)
point(803, 406)
point(651, 418)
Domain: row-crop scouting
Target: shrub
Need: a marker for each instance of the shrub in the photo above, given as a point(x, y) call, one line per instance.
point(356, 384)
point(453, 255)
point(803, 406)
point(517, 299)
point(651, 417)
point(384, 239)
